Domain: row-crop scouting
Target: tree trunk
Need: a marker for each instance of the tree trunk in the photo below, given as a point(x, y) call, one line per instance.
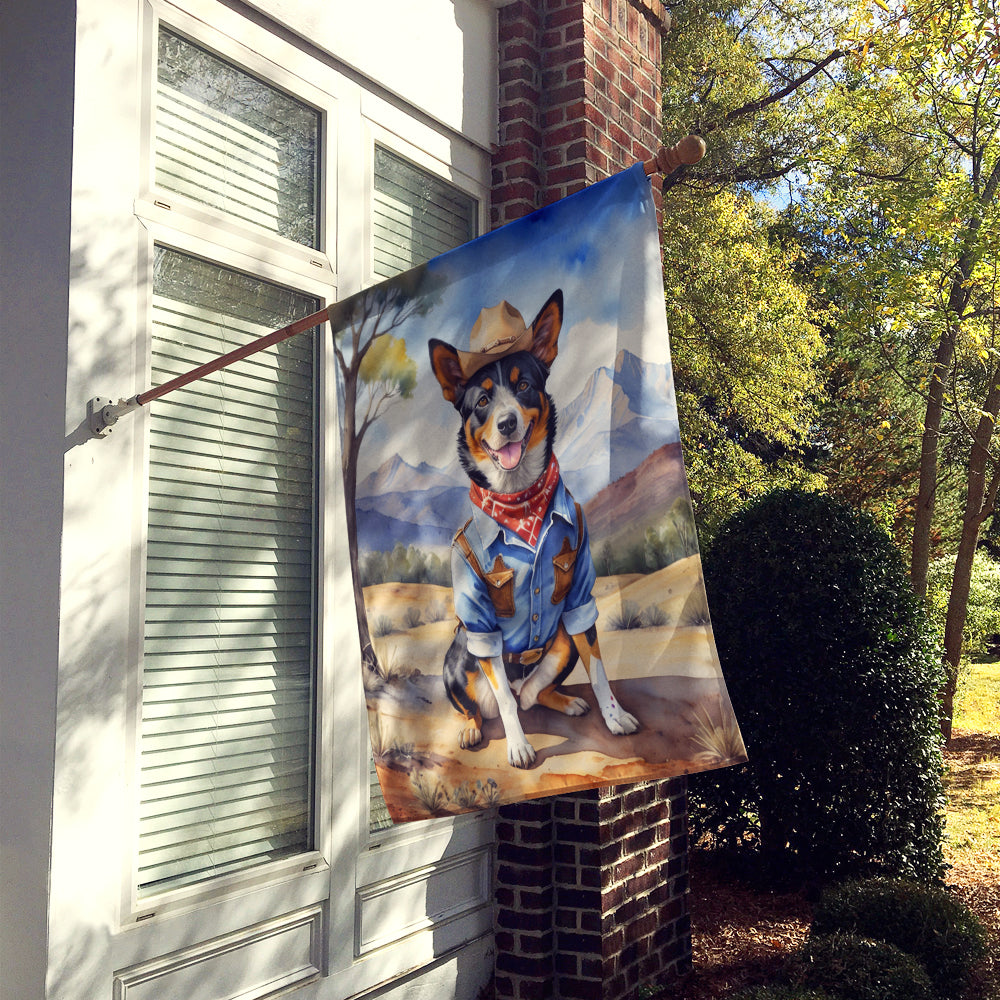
point(350, 448)
point(920, 553)
point(979, 501)
point(958, 300)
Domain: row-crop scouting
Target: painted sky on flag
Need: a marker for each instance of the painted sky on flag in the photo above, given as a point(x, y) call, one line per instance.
point(517, 263)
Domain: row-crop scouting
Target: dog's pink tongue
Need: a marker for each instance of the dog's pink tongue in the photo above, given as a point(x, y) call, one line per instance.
point(510, 455)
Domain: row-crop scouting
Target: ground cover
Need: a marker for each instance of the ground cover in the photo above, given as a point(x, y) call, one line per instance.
point(742, 933)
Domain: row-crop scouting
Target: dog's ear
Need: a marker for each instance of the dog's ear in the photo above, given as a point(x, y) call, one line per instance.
point(546, 329)
point(444, 363)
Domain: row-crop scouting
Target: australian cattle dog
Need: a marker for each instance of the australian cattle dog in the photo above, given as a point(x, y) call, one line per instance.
point(522, 572)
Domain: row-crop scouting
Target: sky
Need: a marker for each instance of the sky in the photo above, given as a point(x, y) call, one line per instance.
point(599, 246)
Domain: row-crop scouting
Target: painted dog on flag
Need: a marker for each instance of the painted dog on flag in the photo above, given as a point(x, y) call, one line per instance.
point(522, 573)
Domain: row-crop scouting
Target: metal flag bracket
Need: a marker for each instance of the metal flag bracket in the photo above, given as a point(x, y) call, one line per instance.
point(103, 413)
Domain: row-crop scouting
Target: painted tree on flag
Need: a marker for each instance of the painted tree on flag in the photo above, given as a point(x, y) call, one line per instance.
point(375, 371)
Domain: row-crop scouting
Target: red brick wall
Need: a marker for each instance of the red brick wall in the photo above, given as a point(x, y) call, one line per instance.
point(579, 96)
point(591, 893)
point(591, 889)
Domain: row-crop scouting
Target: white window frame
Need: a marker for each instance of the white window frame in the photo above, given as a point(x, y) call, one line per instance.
point(350, 870)
point(177, 223)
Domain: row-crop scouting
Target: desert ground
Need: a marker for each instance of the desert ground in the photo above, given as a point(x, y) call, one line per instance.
point(666, 674)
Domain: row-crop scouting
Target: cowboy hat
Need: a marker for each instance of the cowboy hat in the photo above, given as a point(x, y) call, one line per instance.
point(500, 330)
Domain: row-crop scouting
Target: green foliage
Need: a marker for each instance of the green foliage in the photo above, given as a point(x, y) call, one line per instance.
point(926, 922)
point(983, 611)
point(404, 564)
point(856, 968)
point(833, 673)
point(746, 352)
point(738, 73)
point(660, 545)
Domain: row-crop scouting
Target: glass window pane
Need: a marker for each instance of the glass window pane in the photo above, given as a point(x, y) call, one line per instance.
point(231, 141)
point(416, 216)
point(228, 679)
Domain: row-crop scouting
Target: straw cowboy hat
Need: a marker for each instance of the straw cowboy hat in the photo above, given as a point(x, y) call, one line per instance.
point(499, 331)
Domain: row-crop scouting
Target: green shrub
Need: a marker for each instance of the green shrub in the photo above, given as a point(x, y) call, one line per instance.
point(856, 968)
point(925, 922)
point(833, 673)
point(628, 616)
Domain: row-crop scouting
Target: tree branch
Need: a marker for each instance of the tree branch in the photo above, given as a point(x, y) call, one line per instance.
point(754, 106)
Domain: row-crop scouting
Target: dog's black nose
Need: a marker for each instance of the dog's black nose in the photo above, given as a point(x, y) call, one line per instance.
point(507, 424)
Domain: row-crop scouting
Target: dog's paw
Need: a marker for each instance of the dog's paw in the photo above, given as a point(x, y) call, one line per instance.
point(471, 737)
point(619, 721)
point(520, 753)
point(576, 706)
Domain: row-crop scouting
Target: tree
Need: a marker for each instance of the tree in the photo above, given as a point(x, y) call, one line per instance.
point(912, 187)
point(374, 370)
point(747, 352)
point(746, 77)
point(747, 358)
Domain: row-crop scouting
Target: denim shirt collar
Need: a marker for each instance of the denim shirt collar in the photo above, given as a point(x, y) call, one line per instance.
point(561, 506)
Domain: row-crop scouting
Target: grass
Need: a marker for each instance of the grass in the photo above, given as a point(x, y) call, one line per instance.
point(973, 782)
point(973, 810)
point(978, 699)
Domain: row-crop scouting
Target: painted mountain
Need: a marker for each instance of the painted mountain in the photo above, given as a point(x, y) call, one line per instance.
point(629, 504)
point(621, 418)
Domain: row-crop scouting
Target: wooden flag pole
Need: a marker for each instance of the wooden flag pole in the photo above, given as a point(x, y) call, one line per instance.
point(103, 413)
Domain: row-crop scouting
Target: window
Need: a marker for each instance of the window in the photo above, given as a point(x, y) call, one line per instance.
point(416, 216)
point(229, 647)
point(227, 140)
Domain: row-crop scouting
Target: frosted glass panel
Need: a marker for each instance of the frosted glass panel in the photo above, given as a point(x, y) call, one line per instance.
point(231, 141)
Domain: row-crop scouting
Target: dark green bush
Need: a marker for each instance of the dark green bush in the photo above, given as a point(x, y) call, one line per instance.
point(926, 922)
point(856, 968)
point(834, 673)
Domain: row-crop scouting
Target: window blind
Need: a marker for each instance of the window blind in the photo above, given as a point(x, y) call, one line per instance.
point(228, 655)
point(228, 140)
point(415, 216)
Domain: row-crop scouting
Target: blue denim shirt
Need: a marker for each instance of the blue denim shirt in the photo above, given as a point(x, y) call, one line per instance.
point(535, 617)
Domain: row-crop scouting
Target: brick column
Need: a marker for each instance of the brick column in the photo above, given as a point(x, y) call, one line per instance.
point(579, 96)
point(591, 889)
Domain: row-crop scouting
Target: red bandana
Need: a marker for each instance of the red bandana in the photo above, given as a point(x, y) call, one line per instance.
point(522, 512)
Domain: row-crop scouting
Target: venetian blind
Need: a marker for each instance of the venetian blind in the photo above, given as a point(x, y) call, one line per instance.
point(228, 658)
point(416, 216)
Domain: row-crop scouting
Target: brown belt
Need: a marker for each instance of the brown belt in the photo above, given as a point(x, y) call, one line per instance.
point(529, 656)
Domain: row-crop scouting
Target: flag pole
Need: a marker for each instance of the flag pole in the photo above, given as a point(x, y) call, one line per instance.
point(103, 413)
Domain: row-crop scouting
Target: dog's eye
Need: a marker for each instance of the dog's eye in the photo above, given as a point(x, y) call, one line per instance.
point(482, 401)
point(522, 385)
